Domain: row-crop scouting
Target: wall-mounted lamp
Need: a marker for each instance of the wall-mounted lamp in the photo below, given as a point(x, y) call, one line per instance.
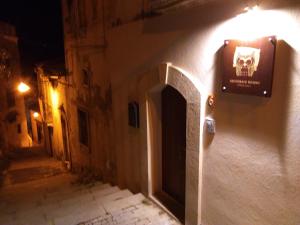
point(36, 115)
point(251, 8)
point(54, 97)
point(253, 23)
point(54, 81)
point(22, 87)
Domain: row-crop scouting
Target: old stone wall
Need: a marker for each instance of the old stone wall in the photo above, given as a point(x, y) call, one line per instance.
point(89, 89)
point(14, 129)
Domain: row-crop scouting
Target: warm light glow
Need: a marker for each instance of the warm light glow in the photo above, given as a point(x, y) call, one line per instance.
point(246, 8)
point(54, 97)
point(36, 114)
point(22, 87)
point(249, 24)
point(256, 23)
point(254, 8)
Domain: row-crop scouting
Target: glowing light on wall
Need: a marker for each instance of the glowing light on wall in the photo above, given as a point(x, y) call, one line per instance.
point(256, 23)
point(54, 98)
point(22, 87)
point(252, 24)
point(36, 114)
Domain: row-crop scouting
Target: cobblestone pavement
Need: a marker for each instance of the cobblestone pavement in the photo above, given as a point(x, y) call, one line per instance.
point(38, 191)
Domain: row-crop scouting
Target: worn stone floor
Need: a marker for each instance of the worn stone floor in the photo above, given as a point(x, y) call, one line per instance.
point(37, 190)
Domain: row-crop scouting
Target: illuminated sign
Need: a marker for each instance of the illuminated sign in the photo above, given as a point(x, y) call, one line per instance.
point(248, 66)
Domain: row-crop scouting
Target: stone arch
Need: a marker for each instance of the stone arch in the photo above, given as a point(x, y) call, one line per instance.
point(150, 85)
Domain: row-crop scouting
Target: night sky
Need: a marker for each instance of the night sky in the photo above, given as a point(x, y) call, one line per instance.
point(39, 28)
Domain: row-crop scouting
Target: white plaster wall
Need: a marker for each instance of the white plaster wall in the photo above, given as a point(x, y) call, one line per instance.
point(251, 169)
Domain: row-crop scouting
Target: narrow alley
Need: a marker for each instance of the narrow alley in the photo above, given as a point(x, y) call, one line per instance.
point(161, 112)
point(38, 190)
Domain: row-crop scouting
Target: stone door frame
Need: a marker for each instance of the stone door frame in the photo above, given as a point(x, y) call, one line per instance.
point(151, 84)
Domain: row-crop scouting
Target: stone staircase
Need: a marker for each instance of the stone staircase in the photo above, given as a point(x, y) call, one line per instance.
point(99, 204)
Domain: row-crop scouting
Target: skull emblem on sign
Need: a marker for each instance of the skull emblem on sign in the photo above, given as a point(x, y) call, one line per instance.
point(246, 60)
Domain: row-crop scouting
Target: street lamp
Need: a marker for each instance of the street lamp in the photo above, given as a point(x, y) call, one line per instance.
point(22, 87)
point(36, 115)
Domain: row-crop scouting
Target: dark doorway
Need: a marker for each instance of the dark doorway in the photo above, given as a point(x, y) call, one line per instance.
point(173, 151)
point(50, 133)
point(39, 132)
point(65, 139)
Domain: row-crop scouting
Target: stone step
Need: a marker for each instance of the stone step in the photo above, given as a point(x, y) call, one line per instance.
point(154, 214)
point(64, 189)
point(97, 187)
point(80, 215)
point(118, 205)
point(75, 188)
point(139, 210)
point(118, 211)
point(135, 209)
point(119, 195)
point(73, 193)
point(59, 205)
point(100, 192)
point(78, 204)
point(76, 212)
point(103, 192)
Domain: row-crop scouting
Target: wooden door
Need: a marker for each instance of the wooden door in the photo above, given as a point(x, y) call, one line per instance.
point(65, 139)
point(39, 132)
point(173, 150)
point(50, 134)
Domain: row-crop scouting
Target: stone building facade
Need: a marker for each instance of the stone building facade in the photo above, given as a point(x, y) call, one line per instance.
point(12, 110)
point(150, 59)
point(52, 118)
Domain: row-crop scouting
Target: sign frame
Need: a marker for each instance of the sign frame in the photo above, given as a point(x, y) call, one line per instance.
point(248, 66)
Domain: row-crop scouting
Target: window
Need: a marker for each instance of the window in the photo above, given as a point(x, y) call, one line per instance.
point(10, 98)
point(82, 14)
point(70, 4)
point(95, 8)
point(19, 128)
point(86, 77)
point(83, 127)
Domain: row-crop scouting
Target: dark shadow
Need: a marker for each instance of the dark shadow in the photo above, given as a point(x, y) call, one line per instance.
point(4, 165)
point(26, 174)
point(188, 23)
point(27, 152)
point(203, 15)
point(193, 17)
